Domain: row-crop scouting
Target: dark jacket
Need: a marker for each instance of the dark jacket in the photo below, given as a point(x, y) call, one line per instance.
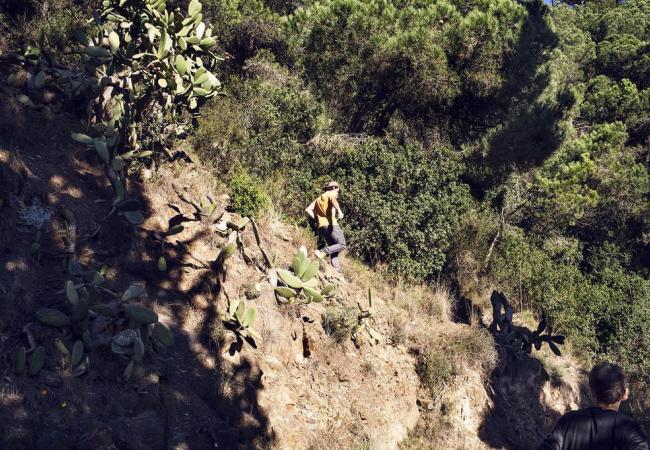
point(596, 429)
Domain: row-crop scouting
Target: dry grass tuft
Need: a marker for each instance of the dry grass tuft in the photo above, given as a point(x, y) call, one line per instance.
point(420, 301)
point(431, 433)
point(447, 356)
point(340, 322)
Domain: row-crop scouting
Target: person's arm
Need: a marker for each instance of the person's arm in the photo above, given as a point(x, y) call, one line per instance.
point(310, 210)
point(336, 207)
point(636, 439)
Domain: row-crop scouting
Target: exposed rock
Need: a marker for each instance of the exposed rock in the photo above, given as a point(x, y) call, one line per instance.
point(125, 338)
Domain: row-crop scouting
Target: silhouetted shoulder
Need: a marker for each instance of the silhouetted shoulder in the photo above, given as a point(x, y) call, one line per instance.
point(635, 436)
point(596, 428)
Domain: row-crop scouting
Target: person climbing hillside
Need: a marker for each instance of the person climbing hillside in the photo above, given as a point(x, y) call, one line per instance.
point(325, 210)
point(601, 426)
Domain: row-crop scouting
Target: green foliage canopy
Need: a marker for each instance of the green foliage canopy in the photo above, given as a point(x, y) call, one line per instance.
point(402, 204)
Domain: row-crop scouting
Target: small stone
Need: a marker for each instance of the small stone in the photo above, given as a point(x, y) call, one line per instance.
point(125, 338)
point(343, 378)
point(146, 174)
point(425, 403)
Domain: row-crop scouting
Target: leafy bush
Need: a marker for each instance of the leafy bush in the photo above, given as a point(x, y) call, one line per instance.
point(55, 26)
point(260, 124)
point(244, 27)
point(600, 310)
point(45, 23)
point(402, 204)
point(247, 195)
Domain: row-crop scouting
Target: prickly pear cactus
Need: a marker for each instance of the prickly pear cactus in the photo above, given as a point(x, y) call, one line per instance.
point(240, 320)
point(84, 294)
point(301, 283)
point(140, 61)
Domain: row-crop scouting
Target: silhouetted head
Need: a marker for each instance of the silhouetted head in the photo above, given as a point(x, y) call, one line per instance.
point(608, 384)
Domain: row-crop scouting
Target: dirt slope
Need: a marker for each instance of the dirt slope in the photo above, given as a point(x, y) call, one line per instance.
point(297, 389)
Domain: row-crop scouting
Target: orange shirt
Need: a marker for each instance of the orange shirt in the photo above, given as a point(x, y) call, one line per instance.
point(324, 209)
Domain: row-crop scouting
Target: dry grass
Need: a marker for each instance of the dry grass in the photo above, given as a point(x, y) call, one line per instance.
point(448, 361)
point(431, 433)
point(446, 356)
point(420, 301)
point(9, 393)
point(339, 323)
point(396, 330)
point(352, 437)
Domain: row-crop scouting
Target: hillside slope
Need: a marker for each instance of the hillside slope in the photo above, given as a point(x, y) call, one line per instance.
point(295, 388)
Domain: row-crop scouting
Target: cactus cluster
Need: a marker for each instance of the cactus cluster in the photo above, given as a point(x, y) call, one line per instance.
point(139, 60)
point(240, 320)
point(84, 294)
point(72, 357)
point(208, 206)
point(31, 366)
point(301, 283)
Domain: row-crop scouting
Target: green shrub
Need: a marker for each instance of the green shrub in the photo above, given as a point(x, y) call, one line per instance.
point(46, 23)
point(244, 27)
point(340, 323)
point(602, 310)
point(402, 204)
point(55, 27)
point(446, 356)
point(608, 100)
point(247, 197)
point(436, 370)
point(261, 123)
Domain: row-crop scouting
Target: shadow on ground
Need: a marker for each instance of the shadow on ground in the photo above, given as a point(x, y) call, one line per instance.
point(184, 397)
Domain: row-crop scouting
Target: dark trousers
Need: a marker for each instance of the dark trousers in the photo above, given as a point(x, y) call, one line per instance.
point(332, 236)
